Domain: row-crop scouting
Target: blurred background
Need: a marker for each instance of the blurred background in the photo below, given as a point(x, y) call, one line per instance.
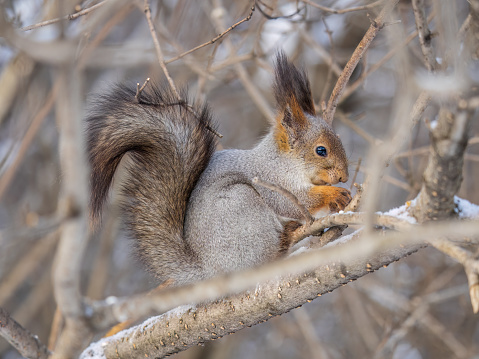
point(416, 308)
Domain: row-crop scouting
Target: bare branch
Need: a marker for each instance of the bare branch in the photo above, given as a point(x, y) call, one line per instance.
point(74, 201)
point(425, 35)
point(212, 41)
point(7, 177)
point(21, 339)
point(187, 326)
point(159, 53)
point(343, 11)
point(66, 17)
point(139, 89)
point(376, 26)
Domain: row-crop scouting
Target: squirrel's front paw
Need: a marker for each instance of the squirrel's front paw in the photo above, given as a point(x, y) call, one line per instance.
point(329, 199)
point(340, 199)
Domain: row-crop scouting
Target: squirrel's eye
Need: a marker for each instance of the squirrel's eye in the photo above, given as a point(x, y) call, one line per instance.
point(321, 151)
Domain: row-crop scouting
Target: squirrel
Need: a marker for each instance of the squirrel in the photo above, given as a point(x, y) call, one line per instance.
point(195, 213)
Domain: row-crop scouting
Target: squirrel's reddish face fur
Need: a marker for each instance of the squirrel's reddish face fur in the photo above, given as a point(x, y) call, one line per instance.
point(298, 131)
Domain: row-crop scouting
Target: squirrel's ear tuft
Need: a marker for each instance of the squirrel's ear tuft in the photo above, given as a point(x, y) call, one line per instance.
point(291, 86)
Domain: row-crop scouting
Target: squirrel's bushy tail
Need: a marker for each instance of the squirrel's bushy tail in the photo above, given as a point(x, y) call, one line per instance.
point(169, 148)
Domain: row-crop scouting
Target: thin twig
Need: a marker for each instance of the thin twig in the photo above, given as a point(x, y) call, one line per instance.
point(66, 17)
point(361, 132)
point(343, 11)
point(269, 17)
point(159, 52)
point(139, 89)
point(212, 41)
point(425, 35)
point(376, 26)
point(106, 28)
point(321, 51)
point(329, 76)
point(35, 125)
point(358, 166)
point(354, 86)
point(241, 72)
point(56, 328)
point(162, 63)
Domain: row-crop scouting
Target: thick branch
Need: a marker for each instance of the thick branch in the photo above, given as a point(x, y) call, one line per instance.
point(74, 201)
point(443, 174)
point(184, 327)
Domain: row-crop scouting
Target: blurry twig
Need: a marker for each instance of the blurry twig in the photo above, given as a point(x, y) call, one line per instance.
point(356, 171)
point(29, 263)
point(269, 17)
point(330, 68)
point(251, 89)
point(159, 52)
point(74, 200)
point(470, 263)
point(377, 24)
point(352, 124)
point(354, 86)
point(321, 51)
point(343, 11)
point(418, 313)
point(56, 328)
point(162, 63)
point(106, 28)
point(9, 174)
point(317, 349)
point(66, 17)
point(212, 41)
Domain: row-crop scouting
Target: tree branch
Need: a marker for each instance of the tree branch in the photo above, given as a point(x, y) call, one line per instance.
point(66, 17)
point(21, 339)
point(425, 35)
point(376, 26)
point(443, 174)
point(187, 326)
point(74, 201)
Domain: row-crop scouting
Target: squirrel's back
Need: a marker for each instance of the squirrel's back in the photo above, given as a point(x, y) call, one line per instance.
point(170, 144)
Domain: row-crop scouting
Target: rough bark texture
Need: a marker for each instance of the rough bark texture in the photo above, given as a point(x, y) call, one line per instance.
point(21, 339)
point(443, 174)
point(177, 330)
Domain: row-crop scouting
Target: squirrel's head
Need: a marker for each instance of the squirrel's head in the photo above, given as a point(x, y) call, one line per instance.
point(300, 133)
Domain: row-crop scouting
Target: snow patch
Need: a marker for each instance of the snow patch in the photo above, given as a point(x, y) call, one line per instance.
point(402, 212)
point(466, 209)
point(95, 350)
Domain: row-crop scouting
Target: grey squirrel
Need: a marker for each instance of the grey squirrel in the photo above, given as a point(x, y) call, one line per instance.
point(195, 213)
